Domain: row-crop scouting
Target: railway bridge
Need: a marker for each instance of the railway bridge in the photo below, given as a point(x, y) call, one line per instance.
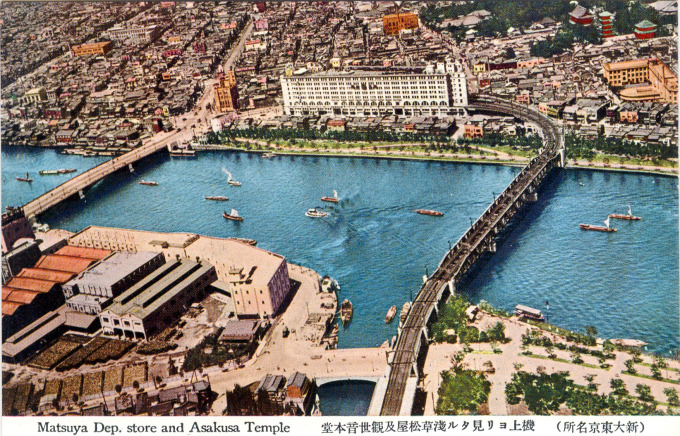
point(407, 358)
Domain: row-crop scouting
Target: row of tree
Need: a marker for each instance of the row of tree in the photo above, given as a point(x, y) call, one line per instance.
point(312, 134)
point(580, 147)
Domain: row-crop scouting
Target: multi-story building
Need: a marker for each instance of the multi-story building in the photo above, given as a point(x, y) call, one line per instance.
point(439, 89)
point(663, 83)
point(100, 48)
point(226, 93)
point(134, 34)
point(256, 279)
point(93, 289)
point(395, 23)
point(157, 300)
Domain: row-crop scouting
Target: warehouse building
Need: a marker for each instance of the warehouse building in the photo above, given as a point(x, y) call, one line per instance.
point(113, 274)
point(256, 279)
point(157, 300)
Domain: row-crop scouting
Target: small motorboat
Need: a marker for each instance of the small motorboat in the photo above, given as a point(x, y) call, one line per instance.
point(315, 213)
point(346, 312)
point(48, 172)
point(333, 199)
point(429, 212)
point(234, 216)
point(629, 217)
point(268, 155)
point(606, 229)
point(67, 171)
point(148, 183)
point(234, 183)
point(217, 198)
point(390, 314)
point(25, 179)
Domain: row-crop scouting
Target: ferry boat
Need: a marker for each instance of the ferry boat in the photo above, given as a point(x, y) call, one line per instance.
point(53, 172)
point(333, 199)
point(148, 183)
point(234, 216)
point(597, 228)
point(268, 155)
point(217, 198)
point(234, 183)
point(25, 179)
point(390, 314)
point(606, 229)
point(522, 311)
point(429, 212)
point(346, 312)
point(629, 217)
point(404, 311)
point(315, 213)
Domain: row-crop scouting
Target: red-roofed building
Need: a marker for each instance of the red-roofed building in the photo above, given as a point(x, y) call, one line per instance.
point(84, 252)
point(58, 262)
point(580, 15)
point(46, 274)
point(26, 299)
point(36, 285)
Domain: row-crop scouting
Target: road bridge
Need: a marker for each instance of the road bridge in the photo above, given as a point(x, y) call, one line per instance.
point(408, 355)
point(77, 185)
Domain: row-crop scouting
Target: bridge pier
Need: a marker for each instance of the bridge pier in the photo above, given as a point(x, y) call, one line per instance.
point(81, 194)
point(480, 238)
point(130, 167)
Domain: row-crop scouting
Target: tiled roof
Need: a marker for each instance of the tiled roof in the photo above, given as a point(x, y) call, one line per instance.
point(84, 252)
point(46, 274)
point(31, 284)
point(64, 263)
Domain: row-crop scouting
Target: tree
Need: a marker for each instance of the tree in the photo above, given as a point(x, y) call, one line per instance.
point(510, 53)
point(118, 389)
point(618, 386)
point(135, 384)
point(672, 396)
point(576, 357)
point(591, 331)
point(644, 392)
point(630, 365)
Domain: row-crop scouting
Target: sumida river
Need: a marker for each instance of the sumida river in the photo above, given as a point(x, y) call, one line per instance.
point(625, 284)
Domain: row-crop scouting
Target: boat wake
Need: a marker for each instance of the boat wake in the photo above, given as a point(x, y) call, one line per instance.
point(225, 171)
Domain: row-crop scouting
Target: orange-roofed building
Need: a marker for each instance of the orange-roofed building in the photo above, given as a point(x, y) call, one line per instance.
point(70, 264)
point(8, 309)
point(29, 284)
point(26, 299)
point(84, 252)
point(20, 296)
point(46, 274)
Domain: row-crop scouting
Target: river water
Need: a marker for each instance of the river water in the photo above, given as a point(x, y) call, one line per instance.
point(625, 284)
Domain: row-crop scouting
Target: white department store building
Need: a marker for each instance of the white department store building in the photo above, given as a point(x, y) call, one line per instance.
point(438, 89)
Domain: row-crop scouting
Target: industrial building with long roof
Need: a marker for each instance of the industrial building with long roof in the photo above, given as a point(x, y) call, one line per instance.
point(256, 279)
